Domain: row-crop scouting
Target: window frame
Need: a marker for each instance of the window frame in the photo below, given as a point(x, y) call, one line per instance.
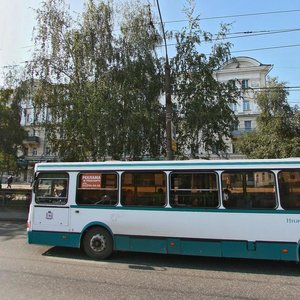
point(246, 125)
point(282, 203)
point(51, 199)
point(245, 84)
point(246, 105)
point(133, 198)
point(196, 191)
point(107, 199)
point(245, 171)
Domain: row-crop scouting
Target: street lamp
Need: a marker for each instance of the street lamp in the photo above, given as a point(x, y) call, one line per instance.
point(167, 93)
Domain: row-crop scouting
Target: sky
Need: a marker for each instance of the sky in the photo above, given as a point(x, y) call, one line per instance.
point(17, 19)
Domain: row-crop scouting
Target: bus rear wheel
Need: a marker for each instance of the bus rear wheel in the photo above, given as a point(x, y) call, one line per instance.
point(98, 243)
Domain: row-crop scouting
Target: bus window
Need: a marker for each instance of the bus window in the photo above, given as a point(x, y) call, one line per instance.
point(52, 188)
point(143, 189)
point(289, 189)
point(248, 189)
point(97, 189)
point(194, 190)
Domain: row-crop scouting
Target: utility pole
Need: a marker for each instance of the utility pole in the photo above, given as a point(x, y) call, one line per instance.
point(167, 93)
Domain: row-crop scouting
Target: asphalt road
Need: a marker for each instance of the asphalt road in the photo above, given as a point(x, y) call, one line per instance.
point(43, 272)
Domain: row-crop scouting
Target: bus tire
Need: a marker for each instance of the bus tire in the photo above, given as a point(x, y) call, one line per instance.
point(98, 243)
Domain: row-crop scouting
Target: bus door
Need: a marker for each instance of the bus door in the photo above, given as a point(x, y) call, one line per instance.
point(51, 208)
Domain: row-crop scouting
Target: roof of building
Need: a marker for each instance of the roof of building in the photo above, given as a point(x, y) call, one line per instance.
point(244, 62)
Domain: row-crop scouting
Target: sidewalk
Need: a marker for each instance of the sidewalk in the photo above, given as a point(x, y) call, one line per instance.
point(18, 185)
point(13, 213)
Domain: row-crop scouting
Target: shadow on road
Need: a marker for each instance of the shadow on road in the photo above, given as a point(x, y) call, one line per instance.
point(11, 230)
point(154, 262)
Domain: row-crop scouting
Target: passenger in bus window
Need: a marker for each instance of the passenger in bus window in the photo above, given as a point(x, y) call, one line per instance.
point(62, 193)
point(226, 195)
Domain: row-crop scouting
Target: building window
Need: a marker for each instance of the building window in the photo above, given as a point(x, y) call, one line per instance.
point(233, 107)
point(231, 83)
point(245, 84)
point(28, 118)
point(34, 152)
point(234, 151)
point(48, 150)
point(215, 149)
point(246, 105)
point(247, 125)
point(36, 132)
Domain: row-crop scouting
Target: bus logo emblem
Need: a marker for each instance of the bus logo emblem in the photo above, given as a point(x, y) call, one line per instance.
point(49, 215)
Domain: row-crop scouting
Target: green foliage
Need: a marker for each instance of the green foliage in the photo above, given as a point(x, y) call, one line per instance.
point(11, 133)
point(138, 77)
point(204, 116)
point(278, 127)
point(102, 90)
point(102, 86)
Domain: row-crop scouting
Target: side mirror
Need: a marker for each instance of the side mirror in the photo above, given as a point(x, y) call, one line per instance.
point(34, 186)
point(35, 183)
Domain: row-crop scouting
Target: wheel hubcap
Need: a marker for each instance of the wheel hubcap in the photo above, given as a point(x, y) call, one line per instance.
point(98, 243)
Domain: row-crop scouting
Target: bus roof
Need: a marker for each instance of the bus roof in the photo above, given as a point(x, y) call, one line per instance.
point(171, 165)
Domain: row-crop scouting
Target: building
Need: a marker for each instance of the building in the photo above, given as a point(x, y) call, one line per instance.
point(35, 146)
point(249, 75)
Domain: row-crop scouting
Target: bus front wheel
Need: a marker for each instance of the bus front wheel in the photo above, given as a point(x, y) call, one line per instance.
point(98, 243)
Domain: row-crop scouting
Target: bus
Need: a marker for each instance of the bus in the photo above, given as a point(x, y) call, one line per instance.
point(218, 208)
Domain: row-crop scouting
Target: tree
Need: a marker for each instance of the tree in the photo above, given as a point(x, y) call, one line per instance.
point(11, 132)
point(278, 126)
point(139, 84)
point(102, 90)
point(204, 117)
point(69, 69)
point(99, 88)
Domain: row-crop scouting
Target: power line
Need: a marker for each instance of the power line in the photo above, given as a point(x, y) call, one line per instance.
point(250, 33)
point(246, 34)
point(239, 15)
point(249, 50)
point(230, 16)
point(276, 87)
point(257, 33)
point(169, 45)
point(264, 31)
point(265, 48)
point(234, 51)
point(232, 35)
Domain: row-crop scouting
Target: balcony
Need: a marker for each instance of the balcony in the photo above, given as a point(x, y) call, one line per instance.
point(31, 140)
point(33, 159)
point(241, 131)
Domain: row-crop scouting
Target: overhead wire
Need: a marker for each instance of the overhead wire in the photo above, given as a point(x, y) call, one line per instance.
point(236, 16)
point(247, 33)
point(240, 34)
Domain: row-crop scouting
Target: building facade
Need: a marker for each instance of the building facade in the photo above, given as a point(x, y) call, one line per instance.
point(36, 148)
point(249, 76)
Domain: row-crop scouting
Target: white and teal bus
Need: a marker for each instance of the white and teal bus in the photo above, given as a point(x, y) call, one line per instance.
point(221, 208)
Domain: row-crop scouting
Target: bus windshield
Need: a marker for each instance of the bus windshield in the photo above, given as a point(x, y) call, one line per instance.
point(52, 188)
